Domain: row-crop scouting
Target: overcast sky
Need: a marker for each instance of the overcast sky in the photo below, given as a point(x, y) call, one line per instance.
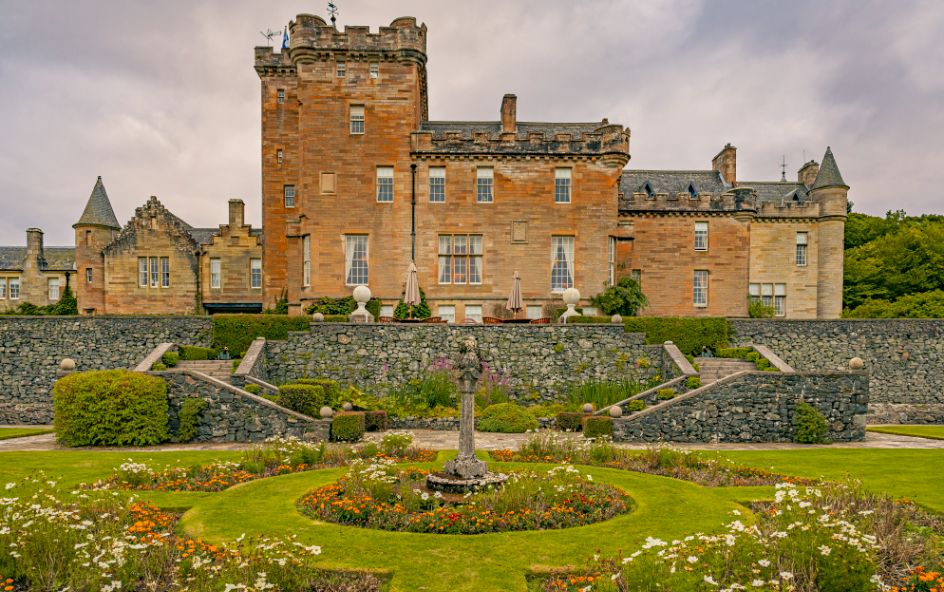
point(160, 98)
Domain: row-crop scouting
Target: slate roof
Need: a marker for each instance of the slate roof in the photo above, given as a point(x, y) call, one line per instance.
point(672, 182)
point(98, 211)
point(57, 258)
point(829, 175)
point(493, 128)
point(203, 236)
point(778, 191)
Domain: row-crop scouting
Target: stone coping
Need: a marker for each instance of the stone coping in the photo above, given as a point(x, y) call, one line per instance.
point(644, 394)
point(773, 358)
point(681, 362)
point(154, 357)
point(255, 350)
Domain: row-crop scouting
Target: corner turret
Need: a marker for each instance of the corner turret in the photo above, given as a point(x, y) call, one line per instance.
point(831, 193)
point(95, 229)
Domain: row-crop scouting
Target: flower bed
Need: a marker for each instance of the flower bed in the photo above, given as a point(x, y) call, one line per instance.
point(277, 456)
point(374, 494)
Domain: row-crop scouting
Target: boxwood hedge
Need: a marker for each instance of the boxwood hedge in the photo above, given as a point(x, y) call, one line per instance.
point(236, 332)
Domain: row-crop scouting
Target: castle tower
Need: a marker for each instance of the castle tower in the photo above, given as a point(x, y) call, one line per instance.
point(831, 192)
point(93, 232)
point(338, 108)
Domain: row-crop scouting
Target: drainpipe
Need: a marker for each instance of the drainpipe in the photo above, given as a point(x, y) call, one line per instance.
point(413, 212)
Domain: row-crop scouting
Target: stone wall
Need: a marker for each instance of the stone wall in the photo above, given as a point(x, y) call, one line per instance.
point(539, 361)
point(753, 407)
point(32, 347)
point(233, 415)
point(903, 357)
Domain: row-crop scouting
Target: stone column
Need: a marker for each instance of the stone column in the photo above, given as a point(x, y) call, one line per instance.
point(465, 465)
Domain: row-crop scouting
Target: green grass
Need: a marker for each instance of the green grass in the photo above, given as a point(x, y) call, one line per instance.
point(7, 433)
point(934, 432)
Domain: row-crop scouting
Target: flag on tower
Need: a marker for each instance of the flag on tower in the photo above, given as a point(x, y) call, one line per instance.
point(285, 38)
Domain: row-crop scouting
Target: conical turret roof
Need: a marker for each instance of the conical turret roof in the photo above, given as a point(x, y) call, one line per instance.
point(98, 210)
point(829, 175)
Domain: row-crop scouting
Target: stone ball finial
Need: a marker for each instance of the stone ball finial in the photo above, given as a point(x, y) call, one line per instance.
point(588, 408)
point(571, 296)
point(326, 412)
point(856, 363)
point(616, 319)
point(317, 317)
point(361, 294)
point(347, 406)
point(67, 365)
point(616, 411)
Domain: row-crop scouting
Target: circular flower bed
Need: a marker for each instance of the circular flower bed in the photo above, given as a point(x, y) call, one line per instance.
point(375, 494)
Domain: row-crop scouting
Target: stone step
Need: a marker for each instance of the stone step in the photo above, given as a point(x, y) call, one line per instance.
point(714, 369)
point(218, 369)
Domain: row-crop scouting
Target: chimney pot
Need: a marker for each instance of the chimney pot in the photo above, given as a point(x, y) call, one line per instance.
point(509, 117)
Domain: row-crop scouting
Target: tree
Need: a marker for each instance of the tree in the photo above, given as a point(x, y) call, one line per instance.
point(625, 298)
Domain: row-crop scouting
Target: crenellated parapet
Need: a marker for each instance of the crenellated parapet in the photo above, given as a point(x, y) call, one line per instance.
point(312, 40)
point(736, 200)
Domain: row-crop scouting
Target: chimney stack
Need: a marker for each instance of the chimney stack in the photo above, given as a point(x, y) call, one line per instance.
point(34, 243)
point(807, 173)
point(725, 162)
point(509, 116)
point(237, 210)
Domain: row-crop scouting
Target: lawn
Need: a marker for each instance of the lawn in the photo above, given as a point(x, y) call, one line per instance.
point(934, 432)
point(7, 433)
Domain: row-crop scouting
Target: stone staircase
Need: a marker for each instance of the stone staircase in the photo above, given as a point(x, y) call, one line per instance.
point(712, 369)
point(218, 369)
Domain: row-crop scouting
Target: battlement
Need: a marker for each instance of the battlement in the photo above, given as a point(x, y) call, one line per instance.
point(727, 202)
point(311, 39)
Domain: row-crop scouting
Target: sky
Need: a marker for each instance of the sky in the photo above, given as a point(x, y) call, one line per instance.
point(160, 98)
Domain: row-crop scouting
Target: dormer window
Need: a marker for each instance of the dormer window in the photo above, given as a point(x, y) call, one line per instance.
point(650, 193)
point(692, 192)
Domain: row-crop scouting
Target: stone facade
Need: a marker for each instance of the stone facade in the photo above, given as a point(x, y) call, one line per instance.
point(753, 407)
point(35, 274)
point(32, 347)
point(233, 415)
point(538, 361)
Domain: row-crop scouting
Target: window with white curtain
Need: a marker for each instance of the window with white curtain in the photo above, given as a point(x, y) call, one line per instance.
point(780, 300)
point(473, 312)
point(355, 259)
point(802, 240)
point(753, 292)
point(700, 288)
point(3, 288)
point(155, 272)
point(767, 294)
point(216, 273)
point(306, 260)
point(357, 119)
point(562, 186)
point(53, 289)
point(484, 184)
point(255, 273)
point(701, 236)
point(447, 312)
point(534, 311)
point(142, 272)
point(165, 272)
point(611, 261)
point(14, 288)
point(562, 263)
point(437, 184)
point(385, 184)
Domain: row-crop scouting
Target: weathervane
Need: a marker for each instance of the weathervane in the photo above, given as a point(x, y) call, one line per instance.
point(783, 168)
point(269, 34)
point(333, 12)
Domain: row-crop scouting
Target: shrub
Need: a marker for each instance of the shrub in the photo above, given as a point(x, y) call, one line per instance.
point(332, 390)
point(507, 418)
point(189, 417)
point(236, 332)
point(420, 311)
point(809, 425)
point(595, 426)
point(569, 421)
point(756, 309)
point(253, 389)
point(158, 367)
point(341, 307)
point(665, 394)
point(763, 364)
point(170, 359)
point(692, 382)
point(733, 352)
point(375, 421)
point(690, 335)
point(348, 426)
point(337, 318)
point(434, 389)
point(625, 298)
point(752, 356)
point(306, 399)
point(601, 393)
point(635, 405)
point(190, 352)
point(396, 443)
point(110, 408)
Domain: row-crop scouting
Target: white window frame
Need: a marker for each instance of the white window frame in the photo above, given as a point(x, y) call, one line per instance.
point(700, 288)
point(216, 273)
point(288, 195)
point(767, 294)
point(356, 270)
point(446, 312)
point(3, 288)
point(484, 184)
point(306, 260)
point(611, 260)
point(142, 272)
point(562, 269)
point(562, 184)
point(701, 236)
point(280, 96)
point(374, 69)
point(358, 121)
point(14, 288)
point(460, 256)
point(474, 312)
point(279, 156)
point(384, 184)
point(340, 69)
point(802, 248)
point(780, 300)
point(154, 264)
point(255, 273)
point(437, 184)
point(165, 272)
point(52, 287)
point(386, 310)
point(533, 311)
point(89, 275)
point(753, 292)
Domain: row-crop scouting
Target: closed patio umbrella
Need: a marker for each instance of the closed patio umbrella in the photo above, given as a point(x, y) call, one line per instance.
point(412, 296)
point(514, 300)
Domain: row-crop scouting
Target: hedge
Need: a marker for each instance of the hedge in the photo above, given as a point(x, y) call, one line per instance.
point(190, 352)
point(110, 408)
point(375, 421)
point(595, 426)
point(189, 417)
point(306, 399)
point(569, 421)
point(236, 332)
point(690, 334)
point(348, 426)
point(332, 390)
point(507, 418)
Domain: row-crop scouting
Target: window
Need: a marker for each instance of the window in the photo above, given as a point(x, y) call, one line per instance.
point(701, 236)
point(306, 260)
point(88, 238)
point(53, 284)
point(341, 69)
point(473, 312)
point(289, 192)
point(278, 155)
point(636, 274)
point(767, 294)
point(165, 272)
point(650, 193)
point(484, 179)
point(216, 273)
point(753, 292)
point(611, 261)
point(280, 96)
point(88, 275)
point(534, 311)
point(692, 191)
point(437, 184)
point(3, 288)
point(155, 279)
point(700, 288)
point(375, 71)
point(590, 311)
point(780, 300)
point(357, 119)
point(801, 245)
point(385, 184)
point(562, 263)
point(14, 288)
point(355, 259)
point(386, 310)
point(142, 272)
point(561, 186)
point(460, 259)
point(255, 273)
point(447, 312)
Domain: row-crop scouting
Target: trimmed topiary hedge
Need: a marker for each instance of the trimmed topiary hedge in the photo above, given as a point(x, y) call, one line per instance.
point(110, 408)
point(253, 389)
point(506, 418)
point(595, 426)
point(236, 332)
point(635, 405)
point(306, 399)
point(569, 421)
point(189, 417)
point(190, 352)
point(348, 426)
point(809, 425)
point(690, 334)
point(375, 421)
point(332, 390)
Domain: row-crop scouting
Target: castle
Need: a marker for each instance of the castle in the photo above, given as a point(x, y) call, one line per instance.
point(357, 182)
